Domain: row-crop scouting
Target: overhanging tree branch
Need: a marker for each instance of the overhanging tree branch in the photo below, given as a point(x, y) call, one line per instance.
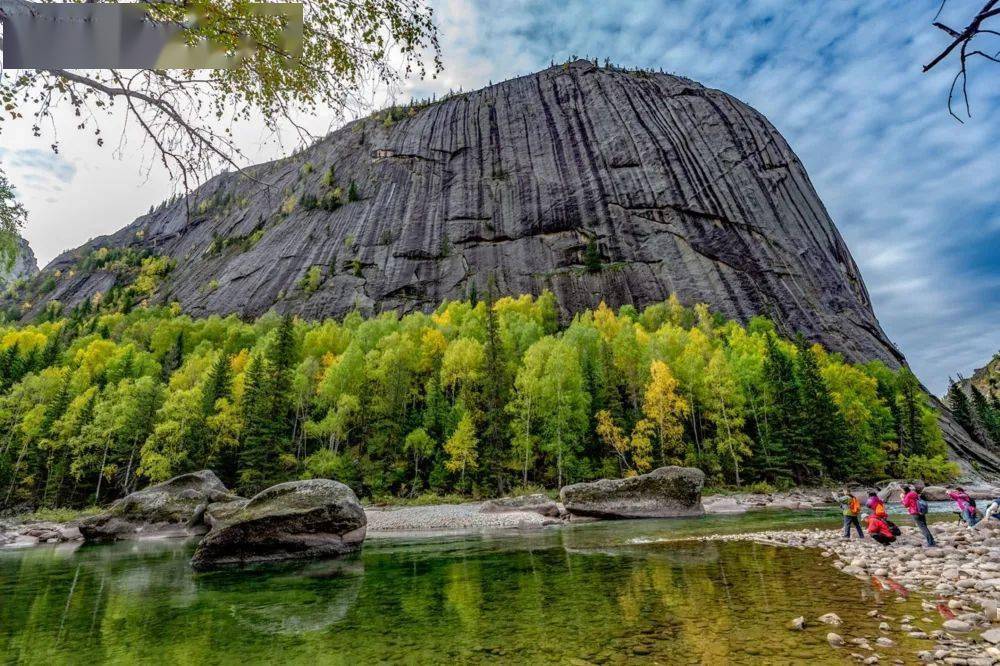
point(961, 40)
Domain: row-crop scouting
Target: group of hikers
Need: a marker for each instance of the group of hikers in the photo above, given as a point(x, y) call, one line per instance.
point(884, 531)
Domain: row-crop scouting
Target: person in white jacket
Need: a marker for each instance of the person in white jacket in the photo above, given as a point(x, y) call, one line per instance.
point(992, 510)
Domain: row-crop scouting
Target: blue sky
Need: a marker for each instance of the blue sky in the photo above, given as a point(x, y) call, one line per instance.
point(914, 192)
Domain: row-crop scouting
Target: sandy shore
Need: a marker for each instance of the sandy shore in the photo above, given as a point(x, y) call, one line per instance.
point(958, 582)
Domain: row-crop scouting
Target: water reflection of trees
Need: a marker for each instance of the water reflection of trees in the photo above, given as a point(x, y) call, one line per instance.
point(545, 598)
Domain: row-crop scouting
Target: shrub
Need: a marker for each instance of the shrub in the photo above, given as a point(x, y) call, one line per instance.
point(352, 192)
point(309, 201)
point(312, 279)
point(328, 177)
point(592, 257)
point(761, 487)
point(325, 464)
point(932, 470)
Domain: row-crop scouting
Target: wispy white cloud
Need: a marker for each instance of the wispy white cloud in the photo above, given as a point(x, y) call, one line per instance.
point(37, 169)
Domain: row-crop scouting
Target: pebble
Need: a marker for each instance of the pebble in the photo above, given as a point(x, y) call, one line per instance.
point(830, 618)
point(960, 574)
point(960, 626)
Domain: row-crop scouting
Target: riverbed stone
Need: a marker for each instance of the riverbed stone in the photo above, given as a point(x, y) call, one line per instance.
point(536, 503)
point(172, 508)
point(666, 492)
point(991, 636)
point(830, 618)
point(836, 640)
point(958, 626)
point(297, 520)
point(935, 493)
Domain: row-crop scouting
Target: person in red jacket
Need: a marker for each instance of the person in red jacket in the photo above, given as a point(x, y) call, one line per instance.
point(918, 511)
point(879, 530)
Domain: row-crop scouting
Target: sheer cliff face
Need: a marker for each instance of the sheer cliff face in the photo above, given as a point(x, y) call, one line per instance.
point(684, 189)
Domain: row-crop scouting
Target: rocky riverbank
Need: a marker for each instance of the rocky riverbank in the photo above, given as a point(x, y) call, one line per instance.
point(958, 583)
point(21, 533)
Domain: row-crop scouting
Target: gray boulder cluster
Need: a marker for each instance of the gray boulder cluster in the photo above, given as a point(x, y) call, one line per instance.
point(666, 492)
point(290, 521)
point(321, 518)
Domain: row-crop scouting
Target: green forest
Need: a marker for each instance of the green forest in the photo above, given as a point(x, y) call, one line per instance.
point(481, 397)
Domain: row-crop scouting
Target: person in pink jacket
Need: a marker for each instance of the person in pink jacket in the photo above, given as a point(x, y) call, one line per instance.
point(917, 509)
point(964, 504)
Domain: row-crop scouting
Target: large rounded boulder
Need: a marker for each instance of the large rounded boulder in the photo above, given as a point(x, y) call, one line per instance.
point(171, 508)
point(666, 492)
point(298, 520)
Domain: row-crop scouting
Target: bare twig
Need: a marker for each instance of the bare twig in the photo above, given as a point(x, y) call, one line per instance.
point(961, 40)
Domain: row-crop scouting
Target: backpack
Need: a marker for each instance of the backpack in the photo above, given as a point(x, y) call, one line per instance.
point(893, 527)
point(921, 506)
point(854, 506)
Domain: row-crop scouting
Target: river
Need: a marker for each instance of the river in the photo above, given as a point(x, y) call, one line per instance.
point(599, 593)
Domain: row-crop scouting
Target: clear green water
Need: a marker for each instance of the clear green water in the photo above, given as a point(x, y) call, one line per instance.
point(601, 593)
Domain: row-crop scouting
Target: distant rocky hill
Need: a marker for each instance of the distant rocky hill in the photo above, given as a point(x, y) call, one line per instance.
point(594, 183)
point(986, 378)
point(25, 266)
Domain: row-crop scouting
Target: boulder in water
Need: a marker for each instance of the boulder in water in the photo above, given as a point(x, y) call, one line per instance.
point(297, 520)
point(667, 492)
point(171, 508)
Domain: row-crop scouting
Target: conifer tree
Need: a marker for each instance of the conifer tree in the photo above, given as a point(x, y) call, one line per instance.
point(786, 434)
point(986, 417)
point(960, 408)
point(823, 426)
point(281, 363)
point(913, 440)
point(258, 453)
point(218, 384)
point(174, 356)
point(592, 257)
point(495, 391)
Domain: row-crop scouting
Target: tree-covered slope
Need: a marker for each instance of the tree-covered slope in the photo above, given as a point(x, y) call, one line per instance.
point(473, 397)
